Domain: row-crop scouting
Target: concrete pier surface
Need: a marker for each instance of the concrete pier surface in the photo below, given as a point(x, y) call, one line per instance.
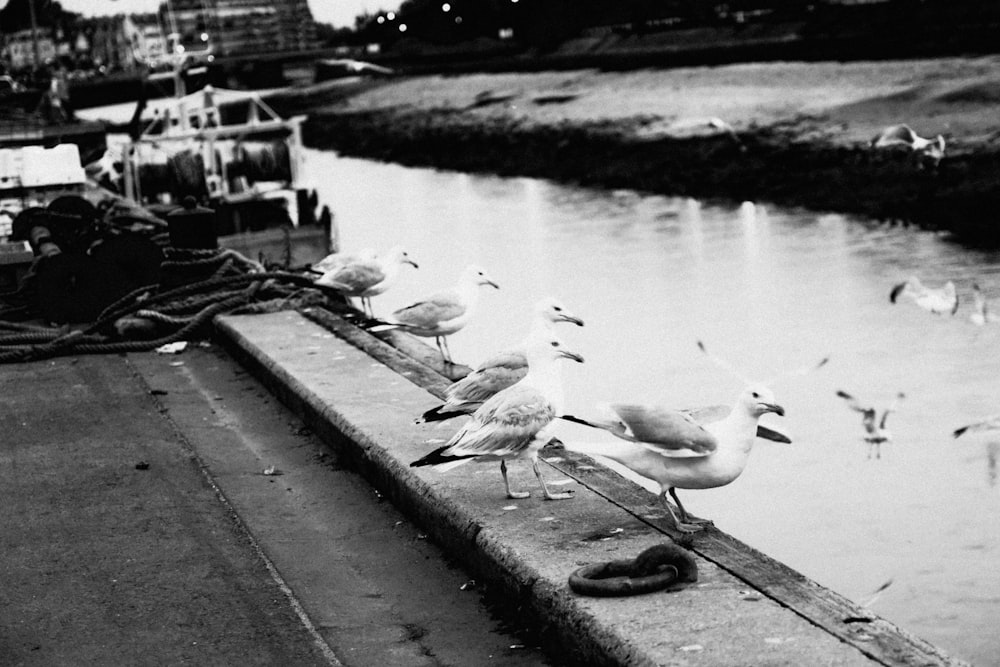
point(167, 510)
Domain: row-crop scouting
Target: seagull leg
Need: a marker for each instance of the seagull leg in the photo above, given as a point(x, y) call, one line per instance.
point(444, 339)
point(516, 495)
point(686, 519)
point(548, 494)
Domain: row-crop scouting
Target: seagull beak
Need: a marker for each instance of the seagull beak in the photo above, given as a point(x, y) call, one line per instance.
point(773, 407)
point(490, 282)
point(571, 355)
point(563, 317)
point(411, 263)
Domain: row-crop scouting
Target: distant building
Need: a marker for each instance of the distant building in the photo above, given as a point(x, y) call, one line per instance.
point(239, 27)
point(18, 50)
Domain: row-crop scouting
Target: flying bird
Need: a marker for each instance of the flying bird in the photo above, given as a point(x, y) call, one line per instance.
point(876, 431)
point(671, 448)
point(981, 313)
point(512, 423)
point(939, 300)
point(499, 371)
point(367, 277)
point(903, 135)
point(442, 313)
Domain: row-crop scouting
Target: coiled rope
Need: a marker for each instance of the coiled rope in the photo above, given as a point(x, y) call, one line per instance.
point(185, 309)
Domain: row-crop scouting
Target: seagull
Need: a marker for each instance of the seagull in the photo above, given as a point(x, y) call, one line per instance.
point(981, 313)
point(876, 432)
point(937, 300)
point(671, 448)
point(442, 313)
point(989, 424)
point(367, 277)
point(511, 424)
point(903, 135)
point(499, 371)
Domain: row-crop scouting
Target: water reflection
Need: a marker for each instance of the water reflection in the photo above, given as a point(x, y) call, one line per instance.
point(769, 289)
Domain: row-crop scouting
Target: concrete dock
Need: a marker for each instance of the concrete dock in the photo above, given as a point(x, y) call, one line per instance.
point(120, 549)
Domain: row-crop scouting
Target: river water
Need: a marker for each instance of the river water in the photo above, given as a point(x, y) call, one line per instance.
point(770, 290)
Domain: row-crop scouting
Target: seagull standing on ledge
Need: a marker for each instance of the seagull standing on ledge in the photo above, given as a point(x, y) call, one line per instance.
point(903, 135)
point(366, 278)
point(937, 300)
point(443, 313)
point(512, 423)
point(876, 432)
point(672, 449)
point(499, 371)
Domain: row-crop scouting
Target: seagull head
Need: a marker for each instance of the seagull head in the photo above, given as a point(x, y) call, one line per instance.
point(758, 400)
point(478, 276)
point(400, 256)
point(544, 346)
point(552, 310)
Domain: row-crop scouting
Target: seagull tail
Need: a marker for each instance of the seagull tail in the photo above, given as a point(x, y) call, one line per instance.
point(437, 414)
point(896, 290)
point(440, 460)
point(959, 431)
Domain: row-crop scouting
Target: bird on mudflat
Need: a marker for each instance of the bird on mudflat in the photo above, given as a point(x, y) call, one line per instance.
point(981, 311)
point(903, 135)
point(366, 278)
point(671, 448)
point(442, 313)
point(512, 423)
point(938, 300)
point(876, 432)
point(499, 371)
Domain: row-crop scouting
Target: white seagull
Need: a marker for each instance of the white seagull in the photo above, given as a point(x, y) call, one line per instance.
point(512, 423)
point(903, 135)
point(989, 424)
point(876, 431)
point(367, 277)
point(499, 371)
point(443, 313)
point(671, 448)
point(981, 312)
point(938, 300)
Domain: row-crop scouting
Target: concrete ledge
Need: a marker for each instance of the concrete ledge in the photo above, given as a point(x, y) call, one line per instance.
point(361, 395)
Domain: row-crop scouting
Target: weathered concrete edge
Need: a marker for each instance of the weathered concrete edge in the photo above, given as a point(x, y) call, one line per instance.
point(524, 589)
point(488, 558)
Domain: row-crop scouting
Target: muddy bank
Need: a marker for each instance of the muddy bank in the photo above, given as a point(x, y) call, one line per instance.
point(961, 195)
point(799, 133)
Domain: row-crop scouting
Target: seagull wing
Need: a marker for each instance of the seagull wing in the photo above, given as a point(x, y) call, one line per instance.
point(988, 424)
point(432, 311)
point(665, 431)
point(714, 413)
point(852, 402)
point(355, 277)
point(493, 375)
point(503, 425)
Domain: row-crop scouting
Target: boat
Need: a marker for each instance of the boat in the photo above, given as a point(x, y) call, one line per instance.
point(233, 154)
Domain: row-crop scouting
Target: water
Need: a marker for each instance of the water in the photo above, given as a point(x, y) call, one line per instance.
point(770, 290)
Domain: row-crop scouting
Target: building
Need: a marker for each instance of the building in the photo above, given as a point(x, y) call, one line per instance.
point(18, 50)
point(239, 27)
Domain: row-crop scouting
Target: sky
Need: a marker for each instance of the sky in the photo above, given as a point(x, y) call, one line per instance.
point(339, 13)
